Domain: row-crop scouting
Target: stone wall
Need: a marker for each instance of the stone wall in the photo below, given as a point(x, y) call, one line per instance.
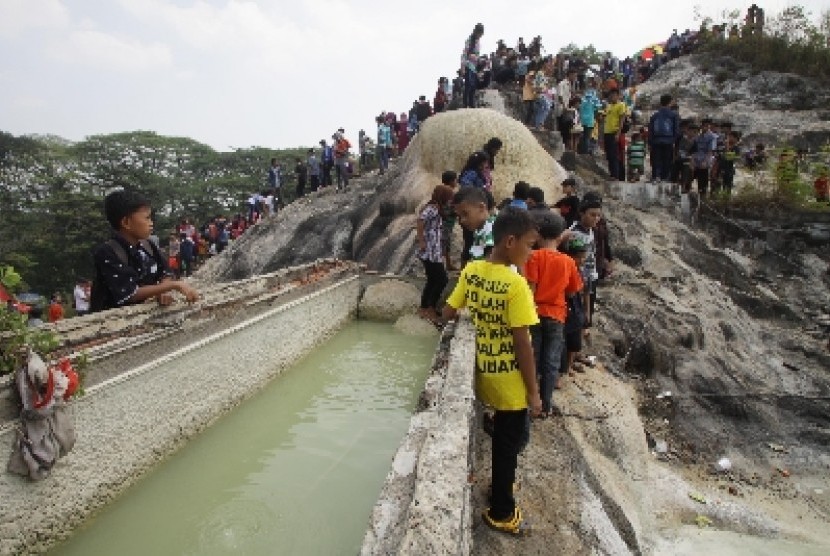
point(129, 421)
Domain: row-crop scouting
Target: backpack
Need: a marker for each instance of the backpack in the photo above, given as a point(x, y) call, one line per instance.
point(663, 125)
point(97, 296)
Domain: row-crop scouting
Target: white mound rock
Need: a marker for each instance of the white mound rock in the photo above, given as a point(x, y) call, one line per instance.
point(447, 139)
point(389, 300)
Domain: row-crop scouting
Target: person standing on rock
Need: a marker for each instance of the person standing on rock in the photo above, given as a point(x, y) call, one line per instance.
point(384, 145)
point(502, 310)
point(431, 252)
point(544, 94)
point(615, 114)
point(469, 64)
point(301, 172)
point(326, 162)
point(341, 158)
point(588, 109)
point(551, 275)
point(275, 178)
point(663, 133)
point(313, 165)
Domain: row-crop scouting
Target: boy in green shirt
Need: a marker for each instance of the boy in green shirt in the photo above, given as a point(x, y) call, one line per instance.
point(636, 158)
point(502, 310)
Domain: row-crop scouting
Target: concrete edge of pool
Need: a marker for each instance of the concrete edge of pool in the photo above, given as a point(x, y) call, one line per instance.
point(96, 472)
point(425, 504)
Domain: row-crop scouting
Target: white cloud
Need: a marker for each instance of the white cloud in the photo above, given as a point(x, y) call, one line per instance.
point(104, 51)
point(18, 17)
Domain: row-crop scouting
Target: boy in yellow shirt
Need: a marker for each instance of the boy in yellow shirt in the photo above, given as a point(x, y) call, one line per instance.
point(615, 115)
point(502, 310)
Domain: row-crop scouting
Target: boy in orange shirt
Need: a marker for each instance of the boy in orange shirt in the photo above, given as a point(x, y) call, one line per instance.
point(551, 275)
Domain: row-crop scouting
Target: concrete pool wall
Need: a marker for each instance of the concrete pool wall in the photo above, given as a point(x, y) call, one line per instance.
point(135, 415)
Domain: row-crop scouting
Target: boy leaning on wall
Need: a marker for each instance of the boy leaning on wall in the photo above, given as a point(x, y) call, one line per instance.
point(502, 310)
point(129, 268)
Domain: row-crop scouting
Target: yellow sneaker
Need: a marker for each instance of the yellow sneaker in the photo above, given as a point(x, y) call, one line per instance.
point(514, 525)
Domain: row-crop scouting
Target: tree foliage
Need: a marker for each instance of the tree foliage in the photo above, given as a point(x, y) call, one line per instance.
point(51, 193)
point(793, 41)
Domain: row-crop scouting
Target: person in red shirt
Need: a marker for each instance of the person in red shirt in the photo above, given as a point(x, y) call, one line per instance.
point(55, 308)
point(551, 275)
point(341, 158)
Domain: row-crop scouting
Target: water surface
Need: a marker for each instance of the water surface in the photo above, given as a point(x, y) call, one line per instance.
point(294, 470)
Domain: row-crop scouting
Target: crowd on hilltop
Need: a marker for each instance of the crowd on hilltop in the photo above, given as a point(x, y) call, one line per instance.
point(531, 269)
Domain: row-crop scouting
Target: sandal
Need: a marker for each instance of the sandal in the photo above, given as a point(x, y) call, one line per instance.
point(514, 525)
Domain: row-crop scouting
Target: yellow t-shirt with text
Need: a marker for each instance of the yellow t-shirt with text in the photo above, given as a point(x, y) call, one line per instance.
point(499, 300)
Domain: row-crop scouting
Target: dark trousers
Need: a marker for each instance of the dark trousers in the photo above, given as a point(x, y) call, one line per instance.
point(701, 175)
point(436, 282)
point(315, 182)
point(511, 432)
point(327, 166)
point(300, 187)
point(661, 156)
point(612, 154)
point(470, 88)
point(528, 107)
point(728, 181)
point(547, 349)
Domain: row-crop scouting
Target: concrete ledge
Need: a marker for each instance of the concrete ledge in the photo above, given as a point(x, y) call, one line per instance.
point(124, 338)
point(128, 426)
point(424, 507)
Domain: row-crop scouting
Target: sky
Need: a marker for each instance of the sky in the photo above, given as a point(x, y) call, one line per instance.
point(279, 73)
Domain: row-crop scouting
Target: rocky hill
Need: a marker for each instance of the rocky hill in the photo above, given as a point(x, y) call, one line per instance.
point(774, 108)
point(374, 221)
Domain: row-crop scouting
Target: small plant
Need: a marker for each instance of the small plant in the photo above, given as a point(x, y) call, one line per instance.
point(16, 333)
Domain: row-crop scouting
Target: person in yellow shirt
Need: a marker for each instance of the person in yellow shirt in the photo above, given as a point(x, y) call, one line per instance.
point(615, 115)
point(502, 310)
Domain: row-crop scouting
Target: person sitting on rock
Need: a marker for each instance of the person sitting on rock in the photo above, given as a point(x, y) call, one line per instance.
point(501, 306)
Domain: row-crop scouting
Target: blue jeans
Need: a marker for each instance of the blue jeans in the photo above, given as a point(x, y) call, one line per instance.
point(470, 88)
point(548, 339)
point(585, 142)
point(543, 107)
point(383, 158)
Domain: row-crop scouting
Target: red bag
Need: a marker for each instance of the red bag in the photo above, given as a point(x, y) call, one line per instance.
point(173, 263)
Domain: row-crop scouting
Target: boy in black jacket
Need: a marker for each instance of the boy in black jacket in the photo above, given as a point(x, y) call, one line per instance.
point(129, 268)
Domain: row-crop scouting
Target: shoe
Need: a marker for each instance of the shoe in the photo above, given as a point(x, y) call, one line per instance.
point(514, 525)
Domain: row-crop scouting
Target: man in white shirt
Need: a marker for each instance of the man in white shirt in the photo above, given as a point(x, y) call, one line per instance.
point(81, 293)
